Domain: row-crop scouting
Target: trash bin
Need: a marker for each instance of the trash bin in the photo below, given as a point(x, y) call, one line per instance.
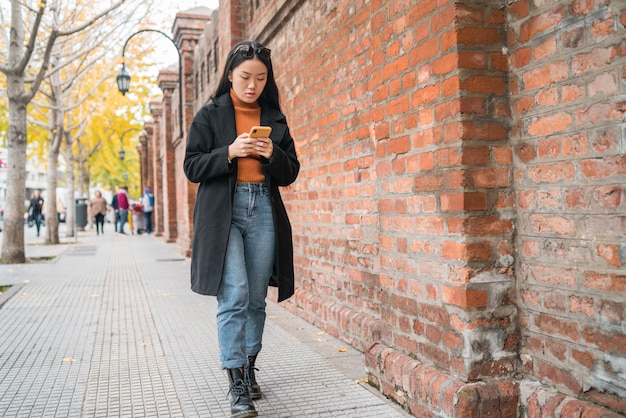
point(80, 212)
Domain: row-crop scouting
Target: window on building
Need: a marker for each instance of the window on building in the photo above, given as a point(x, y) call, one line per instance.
point(202, 74)
point(216, 54)
point(209, 59)
point(176, 123)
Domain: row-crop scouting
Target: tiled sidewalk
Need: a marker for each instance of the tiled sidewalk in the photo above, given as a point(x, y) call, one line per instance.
point(110, 328)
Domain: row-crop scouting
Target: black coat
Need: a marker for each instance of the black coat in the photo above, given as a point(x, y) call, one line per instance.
point(206, 162)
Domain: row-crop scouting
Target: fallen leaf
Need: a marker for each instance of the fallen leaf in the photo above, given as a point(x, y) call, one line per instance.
point(143, 344)
point(69, 360)
point(342, 349)
point(95, 295)
point(320, 333)
point(272, 316)
point(321, 340)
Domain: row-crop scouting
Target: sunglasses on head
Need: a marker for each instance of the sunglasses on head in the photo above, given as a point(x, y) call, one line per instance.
point(248, 51)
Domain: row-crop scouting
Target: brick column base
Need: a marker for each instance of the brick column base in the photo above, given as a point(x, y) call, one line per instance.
point(429, 392)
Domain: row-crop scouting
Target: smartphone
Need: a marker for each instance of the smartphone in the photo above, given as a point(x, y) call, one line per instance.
point(260, 132)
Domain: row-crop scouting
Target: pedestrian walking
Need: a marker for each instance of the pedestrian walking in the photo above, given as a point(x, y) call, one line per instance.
point(147, 205)
point(242, 239)
point(116, 209)
point(35, 210)
point(123, 205)
point(98, 208)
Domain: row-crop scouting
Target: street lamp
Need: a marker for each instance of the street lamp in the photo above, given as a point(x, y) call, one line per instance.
point(123, 78)
point(121, 152)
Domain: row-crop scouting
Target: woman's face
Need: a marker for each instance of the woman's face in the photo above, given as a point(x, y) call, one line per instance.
point(248, 80)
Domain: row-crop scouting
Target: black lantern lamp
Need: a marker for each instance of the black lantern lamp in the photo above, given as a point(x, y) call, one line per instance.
point(123, 78)
point(122, 153)
point(123, 83)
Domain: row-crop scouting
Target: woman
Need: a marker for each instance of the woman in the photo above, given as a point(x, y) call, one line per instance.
point(242, 237)
point(98, 209)
point(35, 210)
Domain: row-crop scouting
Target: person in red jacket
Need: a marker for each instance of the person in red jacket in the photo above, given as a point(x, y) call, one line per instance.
point(123, 206)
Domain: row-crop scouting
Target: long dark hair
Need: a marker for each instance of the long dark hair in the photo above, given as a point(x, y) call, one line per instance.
point(269, 96)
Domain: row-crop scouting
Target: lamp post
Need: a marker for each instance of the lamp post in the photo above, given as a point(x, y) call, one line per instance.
point(123, 78)
point(121, 152)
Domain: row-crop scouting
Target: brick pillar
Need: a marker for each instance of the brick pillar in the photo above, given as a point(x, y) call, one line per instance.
point(188, 27)
point(461, 200)
point(476, 199)
point(144, 149)
point(231, 28)
point(168, 81)
point(156, 109)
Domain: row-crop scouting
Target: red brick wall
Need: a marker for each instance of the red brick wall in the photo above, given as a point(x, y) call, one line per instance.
point(460, 209)
point(404, 205)
point(568, 85)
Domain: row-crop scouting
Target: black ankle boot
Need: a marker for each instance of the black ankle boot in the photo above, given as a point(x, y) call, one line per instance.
point(253, 387)
point(241, 405)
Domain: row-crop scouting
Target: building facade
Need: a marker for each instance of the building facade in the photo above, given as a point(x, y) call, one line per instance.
point(460, 214)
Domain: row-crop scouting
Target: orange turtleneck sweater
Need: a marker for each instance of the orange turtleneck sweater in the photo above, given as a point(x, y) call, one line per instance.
point(247, 115)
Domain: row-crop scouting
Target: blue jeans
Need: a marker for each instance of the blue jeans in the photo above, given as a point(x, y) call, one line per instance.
point(37, 219)
point(123, 219)
point(148, 217)
point(247, 269)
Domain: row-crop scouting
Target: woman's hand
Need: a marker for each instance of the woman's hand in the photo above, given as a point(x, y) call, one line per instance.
point(264, 147)
point(244, 146)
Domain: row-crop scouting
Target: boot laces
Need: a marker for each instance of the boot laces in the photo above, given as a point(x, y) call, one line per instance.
point(238, 388)
point(249, 373)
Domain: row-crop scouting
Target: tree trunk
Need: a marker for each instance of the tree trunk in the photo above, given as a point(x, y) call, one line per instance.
point(84, 168)
point(56, 137)
point(52, 219)
point(80, 169)
point(13, 236)
point(13, 232)
point(81, 181)
point(70, 213)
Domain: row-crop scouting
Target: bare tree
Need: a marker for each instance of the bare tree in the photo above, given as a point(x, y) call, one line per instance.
point(28, 63)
